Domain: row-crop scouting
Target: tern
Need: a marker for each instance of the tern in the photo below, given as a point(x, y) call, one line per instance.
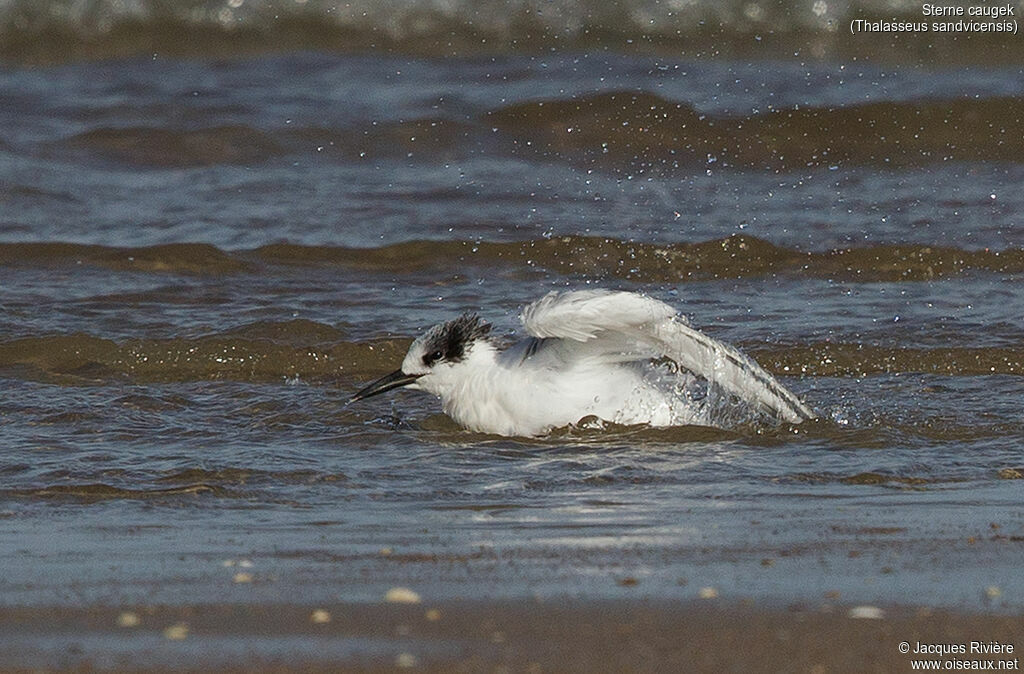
point(621, 357)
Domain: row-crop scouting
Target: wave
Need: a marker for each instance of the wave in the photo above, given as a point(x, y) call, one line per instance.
point(104, 492)
point(644, 128)
point(185, 484)
point(611, 130)
point(272, 351)
point(169, 148)
point(895, 481)
point(59, 30)
point(826, 359)
point(261, 355)
point(248, 476)
point(733, 257)
point(194, 258)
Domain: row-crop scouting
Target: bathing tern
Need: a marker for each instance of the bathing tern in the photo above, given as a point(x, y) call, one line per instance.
point(621, 357)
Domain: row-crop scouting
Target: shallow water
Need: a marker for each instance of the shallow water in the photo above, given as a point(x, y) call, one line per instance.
point(202, 255)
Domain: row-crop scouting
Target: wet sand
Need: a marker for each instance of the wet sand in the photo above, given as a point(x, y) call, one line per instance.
point(519, 636)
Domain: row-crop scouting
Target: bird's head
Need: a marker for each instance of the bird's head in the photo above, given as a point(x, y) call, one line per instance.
point(434, 358)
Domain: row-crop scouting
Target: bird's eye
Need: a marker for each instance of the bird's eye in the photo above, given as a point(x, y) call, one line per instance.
point(432, 357)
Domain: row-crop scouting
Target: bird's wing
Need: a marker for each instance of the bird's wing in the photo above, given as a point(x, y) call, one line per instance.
point(628, 323)
point(582, 315)
point(729, 368)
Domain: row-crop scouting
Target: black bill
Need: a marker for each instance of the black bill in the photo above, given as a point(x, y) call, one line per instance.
point(394, 380)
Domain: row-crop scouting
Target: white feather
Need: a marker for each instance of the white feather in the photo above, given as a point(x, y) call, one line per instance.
point(655, 329)
point(582, 314)
point(592, 353)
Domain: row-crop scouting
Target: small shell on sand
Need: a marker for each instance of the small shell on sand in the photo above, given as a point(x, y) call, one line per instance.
point(128, 619)
point(242, 577)
point(866, 613)
point(401, 595)
point(432, 615)
point(708, 593)
point(993, 592)
point(406, 660)
point(320, 616)
point(176, 632)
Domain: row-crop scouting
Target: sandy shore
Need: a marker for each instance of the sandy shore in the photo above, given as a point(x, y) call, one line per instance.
point(516, 636)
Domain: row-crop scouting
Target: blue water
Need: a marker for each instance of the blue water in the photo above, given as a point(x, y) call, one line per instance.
point(167, 411)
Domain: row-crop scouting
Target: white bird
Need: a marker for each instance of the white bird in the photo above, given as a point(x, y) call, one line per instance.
point(618, 356)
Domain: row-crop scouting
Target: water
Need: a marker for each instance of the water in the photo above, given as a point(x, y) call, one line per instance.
point(206, 247)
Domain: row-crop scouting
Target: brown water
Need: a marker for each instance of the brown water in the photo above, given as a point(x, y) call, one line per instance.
point(205, 250)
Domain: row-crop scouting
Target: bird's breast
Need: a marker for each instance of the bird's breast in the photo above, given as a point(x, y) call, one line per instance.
point(531, 401)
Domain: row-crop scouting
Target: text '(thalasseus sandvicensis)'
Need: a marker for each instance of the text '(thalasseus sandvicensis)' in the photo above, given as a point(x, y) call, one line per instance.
point(618, 356)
